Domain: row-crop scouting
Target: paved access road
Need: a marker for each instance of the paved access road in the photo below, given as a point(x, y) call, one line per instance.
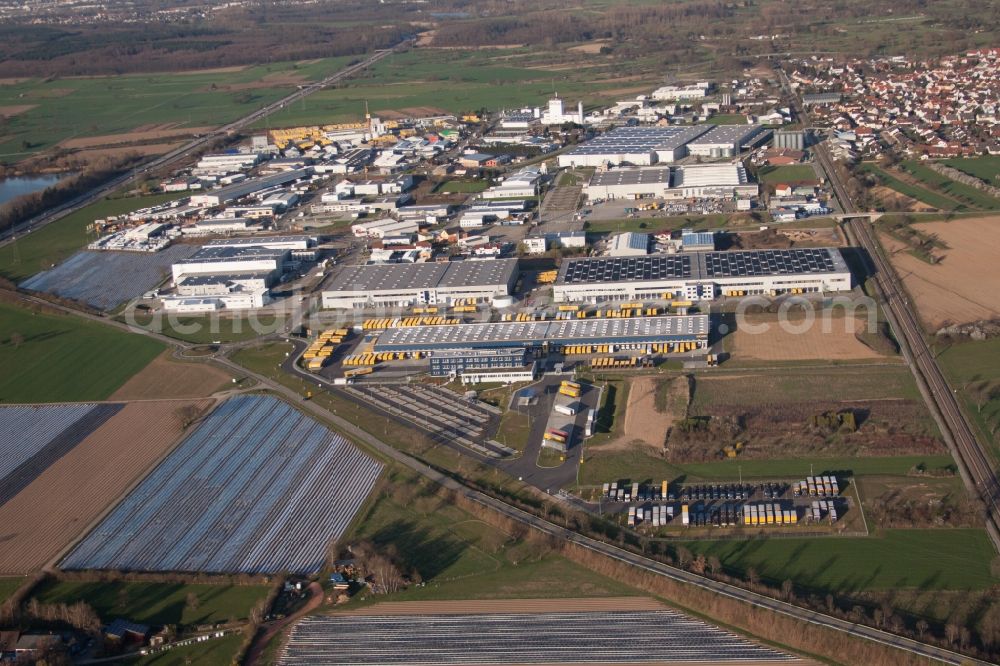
point(182, 152)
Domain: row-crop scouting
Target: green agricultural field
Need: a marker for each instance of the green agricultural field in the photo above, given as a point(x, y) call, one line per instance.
point(803, 385)
point(56, 242)
point(727, 119)
point(973, 369)
point(460, 557)
point(60, 358)
point(935, 181)
point(9, 586)
point(603, 467)
point(985, 168)
point(462, 187)
point(216, 652)
point(787, 174)
point(913, 191)
point(948, 559)
point(206, 329)
point(156, 603)
point(79, 107)
point(453, 82)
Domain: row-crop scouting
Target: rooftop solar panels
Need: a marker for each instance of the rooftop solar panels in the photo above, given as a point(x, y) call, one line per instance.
point(392, 277)
point(702, 265)
point(627, 140)
point(754, 263)
point(534, 333)
point(619, 269)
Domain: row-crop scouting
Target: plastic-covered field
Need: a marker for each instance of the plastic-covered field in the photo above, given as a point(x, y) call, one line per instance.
point(257, 488)
point(518, 638)
point(105, 280)
point(33, 437)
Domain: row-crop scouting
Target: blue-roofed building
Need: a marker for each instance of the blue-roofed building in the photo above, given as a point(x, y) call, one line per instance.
point(125, 630)
point(697, 241)
point(629, 244)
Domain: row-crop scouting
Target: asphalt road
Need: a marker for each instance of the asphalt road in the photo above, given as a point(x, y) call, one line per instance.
point(182, 152)
point(974, 463)
point(389, 453)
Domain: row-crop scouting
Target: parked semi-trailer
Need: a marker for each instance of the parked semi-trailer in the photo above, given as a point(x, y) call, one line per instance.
point(554, 435)
point(685, 516)
point(568, 410)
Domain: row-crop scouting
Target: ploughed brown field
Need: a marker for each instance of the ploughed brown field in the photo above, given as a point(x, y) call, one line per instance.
point(964, 286)
point(41, 521)
point(834, 340)
point(167, 378)
point(466, 607)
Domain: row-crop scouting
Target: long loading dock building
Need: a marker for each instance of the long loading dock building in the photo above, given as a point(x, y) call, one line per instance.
point(687, 333)
point(701, 276)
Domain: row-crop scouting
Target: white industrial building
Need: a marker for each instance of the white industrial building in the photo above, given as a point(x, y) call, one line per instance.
point(556, 239)
point(700, 276)
point(637, 146)
point(225, 260)
point(248, 187)
point(556, 114)
point(521, 184)
point(628, 244)
point(724, 141)
point(680, 182)
point(402, 285)
point(671, 93)
point(383, 227)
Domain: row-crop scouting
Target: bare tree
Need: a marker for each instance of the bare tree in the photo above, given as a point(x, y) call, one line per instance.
point(16, 339)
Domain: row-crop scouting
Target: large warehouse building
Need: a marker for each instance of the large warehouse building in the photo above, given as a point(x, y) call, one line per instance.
point(639, 146)
point(725, 140)
point(401, 285)
point(681, 182)
point(701, 275)
point(624, 334)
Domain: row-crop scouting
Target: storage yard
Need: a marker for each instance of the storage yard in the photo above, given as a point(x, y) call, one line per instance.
point(608, 637)
point(962, 287)
point(105, 280)
point(256, 488)
point(71, 487)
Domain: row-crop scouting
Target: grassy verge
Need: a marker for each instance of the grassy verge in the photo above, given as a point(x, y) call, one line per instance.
point(208, 329)
point(459, 557)
point(973, 369)
point(953, 189)
point(60, 358)
point(786, 174)
point(956, 559)
point(913, 191)
point(9, 586)
point(55, 242)
point(985, 168)
point(514, 430)
point(638, 465)
point(156, 603)
point(215, 652)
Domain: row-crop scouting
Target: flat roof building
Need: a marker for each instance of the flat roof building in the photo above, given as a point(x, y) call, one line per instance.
point(678, 182)
point(638, 146)
point(629, 244)
point(247, 187)
point(701, 275)
point(225, 260)
point(400, 285)
point(724, 140)
point(534, 335)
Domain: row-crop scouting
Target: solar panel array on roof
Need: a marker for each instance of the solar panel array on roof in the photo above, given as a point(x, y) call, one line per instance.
point(754, 263)
point(640, 139)
point(389, 277)
point(618, 269)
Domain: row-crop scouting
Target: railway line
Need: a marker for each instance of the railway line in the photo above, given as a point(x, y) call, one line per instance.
point(182, 152)
point(974, 463)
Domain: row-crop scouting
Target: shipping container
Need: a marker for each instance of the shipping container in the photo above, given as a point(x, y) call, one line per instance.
point(685, 516)
point(570, 392)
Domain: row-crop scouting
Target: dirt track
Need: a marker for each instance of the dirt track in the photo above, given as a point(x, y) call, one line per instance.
point(642, 421)
point(69, 496)
point(964, 286)
point(165, 378)
point(131, 137)
point(509, 606)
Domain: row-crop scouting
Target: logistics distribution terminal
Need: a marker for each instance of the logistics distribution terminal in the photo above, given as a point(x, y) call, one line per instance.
point(689, 333)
